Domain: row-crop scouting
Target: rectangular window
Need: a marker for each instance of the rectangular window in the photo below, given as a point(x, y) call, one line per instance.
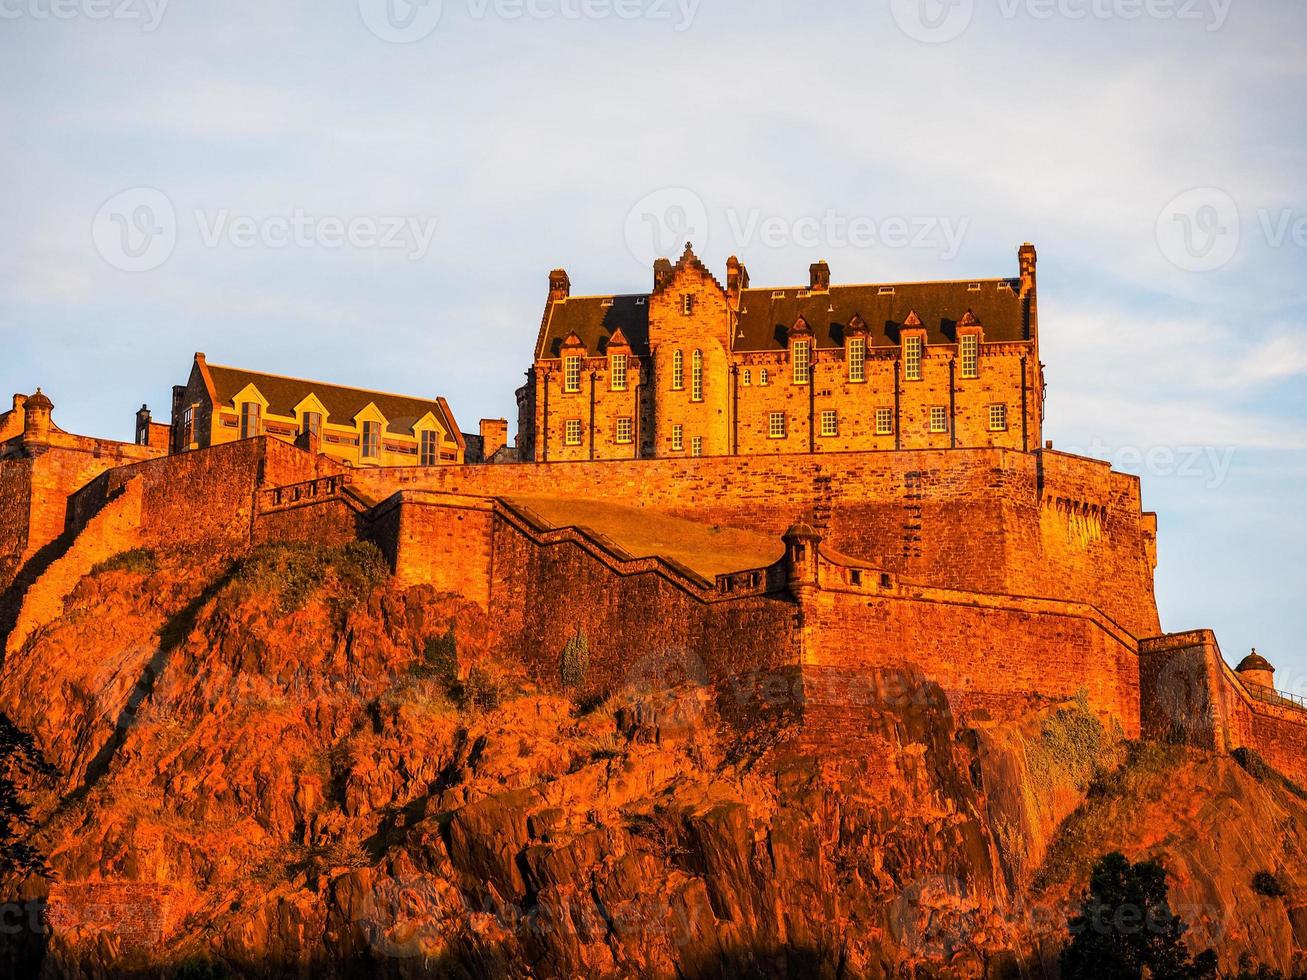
point(884, 421)
point(830, 422)
point(371, 440)
point(625, 431)
point(776, 425)
point(678, 370)
point(572, 373)
point(696, 376)
point(997, 418)
point(696, 446)
point(313, 423)
point(249, 419)
point(912, 358)
point(802, 359)
point(970, 347)
point(687, 304)
point(678, 438)
point(617, 372)
point(858, 359)
point(572, 432)
point(188, 428)
point(429, 451)
point(938, 418)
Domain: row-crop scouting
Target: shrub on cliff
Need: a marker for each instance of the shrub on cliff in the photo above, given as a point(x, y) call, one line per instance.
point(1126, 930)
point(1268, 885)
point(294, 572)
point(575, 661)
point(140, 561)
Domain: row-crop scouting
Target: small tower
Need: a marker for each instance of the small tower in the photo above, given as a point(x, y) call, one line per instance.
point(36, 420)
point(802, 543)
point(1256, 671)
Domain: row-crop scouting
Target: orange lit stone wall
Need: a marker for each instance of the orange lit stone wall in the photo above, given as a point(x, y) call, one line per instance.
point(986, 520)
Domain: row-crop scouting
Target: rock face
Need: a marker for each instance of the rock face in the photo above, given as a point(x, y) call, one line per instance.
point(290, 766)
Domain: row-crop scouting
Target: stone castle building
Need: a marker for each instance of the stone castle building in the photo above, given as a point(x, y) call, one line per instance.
point(695, 368)
point(898, 506)
point(353, 426)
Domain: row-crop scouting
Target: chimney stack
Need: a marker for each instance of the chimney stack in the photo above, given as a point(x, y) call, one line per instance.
point(819, 274)
point(737, 276)
point(560, 285)
point(494, 437)
point(662, 273)
point(1028, 259)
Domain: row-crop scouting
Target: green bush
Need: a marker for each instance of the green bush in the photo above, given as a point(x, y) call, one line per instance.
point(140, 561)
point(294, 572)
point(480, 691)
point(439, 658)
point(575, 661)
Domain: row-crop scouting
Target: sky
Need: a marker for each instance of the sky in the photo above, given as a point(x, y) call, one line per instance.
point(373, 192)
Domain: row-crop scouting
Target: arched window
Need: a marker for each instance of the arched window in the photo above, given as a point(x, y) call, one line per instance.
point(678, 371)
point(696, 376)
point(748, 377)
point(762, 380)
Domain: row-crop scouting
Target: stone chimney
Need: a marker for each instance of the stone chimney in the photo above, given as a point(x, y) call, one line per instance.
point(560, 285)
point(663, 269)
point(819, 276)
point(19, 402)
point(1028, 259)
point(36, 419)
point(143, 426)
point(494, 437)
point(737, 276)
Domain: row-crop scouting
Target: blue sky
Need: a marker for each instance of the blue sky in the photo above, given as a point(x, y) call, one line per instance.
point(1154, 150)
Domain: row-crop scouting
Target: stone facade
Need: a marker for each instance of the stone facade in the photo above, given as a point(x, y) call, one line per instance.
point(695, 368)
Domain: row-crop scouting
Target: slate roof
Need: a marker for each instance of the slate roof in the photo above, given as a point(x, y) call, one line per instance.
point(766, 315)
point(402, 412)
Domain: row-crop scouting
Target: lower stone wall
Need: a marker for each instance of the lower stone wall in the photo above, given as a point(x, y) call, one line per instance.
point(998, 654)
point(137, 915)
point(330, 522)
point(1191, 696)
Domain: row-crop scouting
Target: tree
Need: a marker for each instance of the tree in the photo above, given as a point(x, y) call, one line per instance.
point(1126, 927)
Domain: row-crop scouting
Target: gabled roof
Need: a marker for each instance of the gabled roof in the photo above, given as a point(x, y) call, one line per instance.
point(402, 412)
point(594, 319)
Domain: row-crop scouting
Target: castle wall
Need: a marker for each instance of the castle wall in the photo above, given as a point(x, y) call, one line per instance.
point(972, 520)
point(329, 522)
point(1189, 695)
point(439, 540)
point(15, 508)
point(1000, 654)
point(641, 628)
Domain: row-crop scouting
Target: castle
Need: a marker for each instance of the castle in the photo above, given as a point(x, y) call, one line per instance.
point(897, 506)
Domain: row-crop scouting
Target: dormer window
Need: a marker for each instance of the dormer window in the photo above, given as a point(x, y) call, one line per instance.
point(249, 419)
point(857, 357)
point(312, 424)
point(572, 373)
point(801, 358)
point(969, 354)
point(370, 447)
point(617, 371)
point(678, 371)
point(912, 358)
point(429, 448)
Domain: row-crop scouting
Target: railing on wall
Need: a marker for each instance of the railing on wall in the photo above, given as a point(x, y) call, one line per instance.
point(294, 494)
point(1271, 696)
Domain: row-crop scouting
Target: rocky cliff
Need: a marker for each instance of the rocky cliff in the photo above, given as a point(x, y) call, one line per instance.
point(283, 764)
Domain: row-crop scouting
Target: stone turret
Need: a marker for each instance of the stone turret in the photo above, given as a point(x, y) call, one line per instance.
point(36, 420)
point(1256, 671)
point(802, 543)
